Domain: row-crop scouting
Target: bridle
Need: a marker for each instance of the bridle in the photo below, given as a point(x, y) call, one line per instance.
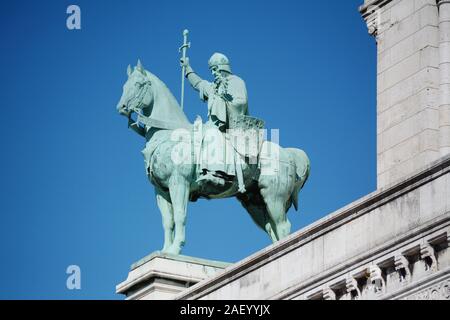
point(143, 89)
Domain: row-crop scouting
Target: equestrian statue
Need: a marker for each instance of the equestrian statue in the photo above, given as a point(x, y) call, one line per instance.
point(228, 156)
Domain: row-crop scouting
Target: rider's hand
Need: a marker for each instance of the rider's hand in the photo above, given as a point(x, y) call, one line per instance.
point(184, 62)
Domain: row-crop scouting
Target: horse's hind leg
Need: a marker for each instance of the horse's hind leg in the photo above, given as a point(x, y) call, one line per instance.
point(276, 183)
point(277, 212)
point(166, 209)
point(283, 224)
point(179, 195)
point(259, 215)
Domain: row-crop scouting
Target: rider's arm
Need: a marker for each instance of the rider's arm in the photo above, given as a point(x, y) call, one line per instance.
point(189, 73)
point(202, 86)
point(193, 78)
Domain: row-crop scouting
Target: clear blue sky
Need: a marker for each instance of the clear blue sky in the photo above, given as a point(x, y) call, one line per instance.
point(73, 185)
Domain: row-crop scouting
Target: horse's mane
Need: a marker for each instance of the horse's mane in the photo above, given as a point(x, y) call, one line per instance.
point(156, 81)
point(167, 109)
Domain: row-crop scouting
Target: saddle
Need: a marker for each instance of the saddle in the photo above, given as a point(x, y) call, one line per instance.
point(246, 135)
point(221, 156)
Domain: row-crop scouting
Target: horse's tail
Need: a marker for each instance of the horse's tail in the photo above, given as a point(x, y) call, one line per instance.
point(302, 167)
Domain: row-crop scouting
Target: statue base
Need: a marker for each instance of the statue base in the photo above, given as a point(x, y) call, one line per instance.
point(161, 276)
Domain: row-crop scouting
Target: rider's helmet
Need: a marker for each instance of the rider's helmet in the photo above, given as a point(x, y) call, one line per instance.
point(221, 61)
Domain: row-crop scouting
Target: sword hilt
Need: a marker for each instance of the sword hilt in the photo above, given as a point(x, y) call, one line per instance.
point(187, 45)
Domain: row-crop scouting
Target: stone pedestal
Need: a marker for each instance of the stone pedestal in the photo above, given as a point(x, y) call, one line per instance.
point(161, 276)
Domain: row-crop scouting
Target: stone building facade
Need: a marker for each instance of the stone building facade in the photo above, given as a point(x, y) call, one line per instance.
point(391, 244)
point(413, 83)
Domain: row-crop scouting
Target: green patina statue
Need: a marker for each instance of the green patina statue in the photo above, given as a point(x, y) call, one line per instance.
point(225, 157)
point(227, 99)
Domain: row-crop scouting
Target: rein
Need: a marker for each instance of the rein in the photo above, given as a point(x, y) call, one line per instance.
point(147, 120)
point(141, 94)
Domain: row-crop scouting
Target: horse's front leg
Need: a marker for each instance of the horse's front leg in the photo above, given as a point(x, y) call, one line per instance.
point(179, 195)
point(165, 206)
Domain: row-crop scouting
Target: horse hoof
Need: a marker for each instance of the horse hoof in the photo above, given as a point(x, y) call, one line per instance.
point(172, 250)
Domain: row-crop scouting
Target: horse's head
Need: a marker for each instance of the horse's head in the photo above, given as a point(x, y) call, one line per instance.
point(137, 92)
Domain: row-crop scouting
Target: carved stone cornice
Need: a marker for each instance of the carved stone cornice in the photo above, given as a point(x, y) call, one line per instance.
point(372, 14)
point(364, 9)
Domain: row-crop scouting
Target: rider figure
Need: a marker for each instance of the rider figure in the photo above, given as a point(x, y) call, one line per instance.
point(226, 97)
point(227, 94)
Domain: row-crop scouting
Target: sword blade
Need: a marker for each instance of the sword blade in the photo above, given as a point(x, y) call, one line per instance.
point(183, 70)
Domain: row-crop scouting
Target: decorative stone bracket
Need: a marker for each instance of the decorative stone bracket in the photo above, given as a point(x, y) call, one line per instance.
point(427, 253)
point(352, 287)
point(402, 266)
point(372, 14)
point(376, 279)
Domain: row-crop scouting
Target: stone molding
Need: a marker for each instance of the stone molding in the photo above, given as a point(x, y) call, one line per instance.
point(373, 268)
point(438, 290)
